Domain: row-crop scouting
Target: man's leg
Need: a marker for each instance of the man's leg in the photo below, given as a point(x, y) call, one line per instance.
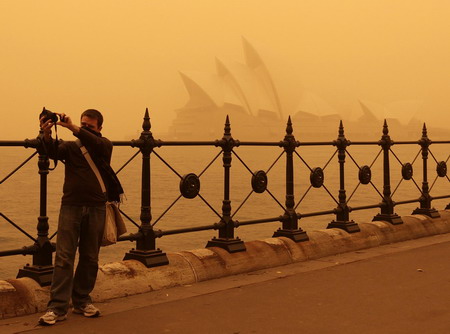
point(89, 247)
point(66, 246)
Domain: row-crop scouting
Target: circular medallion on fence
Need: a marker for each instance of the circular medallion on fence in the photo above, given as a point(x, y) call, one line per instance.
point(190, 185)
point(259, 182)
point(316, 177)
point(441, 169)
point(407, 171)
point(365, 175)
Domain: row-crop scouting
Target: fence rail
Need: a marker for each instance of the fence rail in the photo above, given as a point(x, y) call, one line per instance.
point(146, 235)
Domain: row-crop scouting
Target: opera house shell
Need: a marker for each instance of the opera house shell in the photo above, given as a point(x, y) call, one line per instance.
point(258, 108)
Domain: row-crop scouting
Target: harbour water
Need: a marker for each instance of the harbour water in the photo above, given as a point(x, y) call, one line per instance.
point(20, 194)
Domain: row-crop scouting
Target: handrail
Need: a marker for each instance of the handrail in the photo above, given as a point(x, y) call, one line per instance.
point(145, 238)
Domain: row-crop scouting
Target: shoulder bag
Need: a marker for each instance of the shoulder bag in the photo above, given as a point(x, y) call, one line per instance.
point(114, 225)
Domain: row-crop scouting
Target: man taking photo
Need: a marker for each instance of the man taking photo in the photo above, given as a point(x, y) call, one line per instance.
point(82, 214)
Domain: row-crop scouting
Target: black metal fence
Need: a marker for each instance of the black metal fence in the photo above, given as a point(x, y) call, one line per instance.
point(146, 235)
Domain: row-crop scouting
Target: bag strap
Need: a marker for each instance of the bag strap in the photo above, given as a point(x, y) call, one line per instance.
point(91, 163)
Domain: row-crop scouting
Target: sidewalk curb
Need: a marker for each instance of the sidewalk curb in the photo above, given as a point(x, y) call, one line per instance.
point(24, 296)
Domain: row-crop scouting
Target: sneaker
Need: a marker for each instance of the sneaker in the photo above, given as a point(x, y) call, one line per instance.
point(50, 318)
point(87, 310)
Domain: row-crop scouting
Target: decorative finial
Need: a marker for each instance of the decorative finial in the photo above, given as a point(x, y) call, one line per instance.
point(424, 131)
point(146, 125)
point(341, 129)
point(289, 129)
point(227, 129)
point(385, 128)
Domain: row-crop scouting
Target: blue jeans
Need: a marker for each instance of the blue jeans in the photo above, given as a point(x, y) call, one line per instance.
point(82, 227)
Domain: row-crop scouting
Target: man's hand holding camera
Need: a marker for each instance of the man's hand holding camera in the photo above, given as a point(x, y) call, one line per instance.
point(48, 119)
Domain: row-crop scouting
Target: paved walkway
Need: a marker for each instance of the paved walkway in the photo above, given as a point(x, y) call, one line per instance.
point(398, 288)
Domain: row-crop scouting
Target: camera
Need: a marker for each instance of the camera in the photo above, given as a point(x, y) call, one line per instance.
point(47, 114)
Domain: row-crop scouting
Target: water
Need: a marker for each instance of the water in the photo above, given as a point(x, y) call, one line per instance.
point(20, 193)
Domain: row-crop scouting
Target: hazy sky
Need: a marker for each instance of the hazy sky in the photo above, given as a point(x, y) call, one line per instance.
point(123, 56)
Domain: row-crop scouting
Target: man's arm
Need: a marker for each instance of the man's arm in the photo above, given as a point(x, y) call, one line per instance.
point(46, 127)
point(50, 144)
point(66, 122)
point(94, 142)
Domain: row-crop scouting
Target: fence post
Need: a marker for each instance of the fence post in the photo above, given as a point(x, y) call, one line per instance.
point(425, 199)
point(226, 239)
point(342, 211)
point(290, 227)
point(42, 269)
point(387, 205)
point(146, 251)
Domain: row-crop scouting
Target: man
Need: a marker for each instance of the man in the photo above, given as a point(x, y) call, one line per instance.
point(81, 218)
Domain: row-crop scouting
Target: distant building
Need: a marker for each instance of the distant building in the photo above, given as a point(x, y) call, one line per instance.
point(250, 96)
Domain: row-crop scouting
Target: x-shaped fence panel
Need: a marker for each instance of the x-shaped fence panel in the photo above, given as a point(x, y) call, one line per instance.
point(294, 178)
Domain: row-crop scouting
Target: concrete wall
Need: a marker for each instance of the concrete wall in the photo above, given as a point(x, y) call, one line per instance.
point(119, 279)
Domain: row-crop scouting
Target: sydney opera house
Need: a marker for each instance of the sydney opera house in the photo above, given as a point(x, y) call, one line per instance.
point(259, 103)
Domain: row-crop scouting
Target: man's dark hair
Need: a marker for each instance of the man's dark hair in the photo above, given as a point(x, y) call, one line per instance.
point(93, 113)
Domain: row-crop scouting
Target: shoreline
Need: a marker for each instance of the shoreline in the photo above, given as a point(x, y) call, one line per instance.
point(24, 296)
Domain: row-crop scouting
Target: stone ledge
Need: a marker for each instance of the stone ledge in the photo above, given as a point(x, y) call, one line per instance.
point(24, 296)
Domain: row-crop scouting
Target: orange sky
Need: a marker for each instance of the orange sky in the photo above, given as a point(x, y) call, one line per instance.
point(123, 56)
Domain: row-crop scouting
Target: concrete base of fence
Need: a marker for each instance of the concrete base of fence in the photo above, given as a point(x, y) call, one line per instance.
point(119, 279)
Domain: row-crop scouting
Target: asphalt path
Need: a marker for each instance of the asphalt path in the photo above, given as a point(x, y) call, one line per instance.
point(398, 288)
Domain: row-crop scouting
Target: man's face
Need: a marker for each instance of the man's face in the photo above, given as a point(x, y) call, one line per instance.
point(91, 123)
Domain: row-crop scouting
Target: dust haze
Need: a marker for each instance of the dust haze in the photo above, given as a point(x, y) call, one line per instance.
point(121, 57)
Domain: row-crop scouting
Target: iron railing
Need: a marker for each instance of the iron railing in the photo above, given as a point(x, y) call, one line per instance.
point(146, 235)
